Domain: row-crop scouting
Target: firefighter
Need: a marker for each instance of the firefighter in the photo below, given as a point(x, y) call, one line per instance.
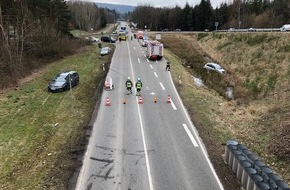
point(167, 66)
point(138, 87)
point(129, 85)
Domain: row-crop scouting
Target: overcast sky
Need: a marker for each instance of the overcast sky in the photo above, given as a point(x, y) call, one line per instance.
point(160, 3)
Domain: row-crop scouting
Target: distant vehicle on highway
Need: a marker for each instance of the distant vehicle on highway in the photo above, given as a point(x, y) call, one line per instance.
point(108, 39)
point(214, 67)
point(177, 30)
point(63, 81)
point(93, 39)
point(285, 27)
point(140, 34)
point(231, 29)
point(251, 30)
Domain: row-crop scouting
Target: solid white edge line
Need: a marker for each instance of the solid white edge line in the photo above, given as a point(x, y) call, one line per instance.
point(196, 134)
point(173, 105)
point(190, 135)
point(155, 74)
point(162, 86)
point(142, 128)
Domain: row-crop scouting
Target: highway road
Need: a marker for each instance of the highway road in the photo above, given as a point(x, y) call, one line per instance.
point(144, 146)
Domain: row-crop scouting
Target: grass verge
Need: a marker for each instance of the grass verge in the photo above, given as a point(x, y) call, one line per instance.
point(40, 131)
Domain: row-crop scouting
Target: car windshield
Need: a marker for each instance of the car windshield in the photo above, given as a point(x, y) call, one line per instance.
point(60, 78)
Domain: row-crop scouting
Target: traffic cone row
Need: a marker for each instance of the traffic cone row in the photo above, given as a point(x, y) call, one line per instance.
point(140, 101)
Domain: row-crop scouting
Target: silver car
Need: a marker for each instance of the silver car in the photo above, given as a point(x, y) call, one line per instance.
point(214, 67)
point(105, 51)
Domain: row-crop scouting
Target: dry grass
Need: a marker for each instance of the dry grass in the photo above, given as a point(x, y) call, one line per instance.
point(258, 68)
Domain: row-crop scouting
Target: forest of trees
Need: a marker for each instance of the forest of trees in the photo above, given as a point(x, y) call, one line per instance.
point(34, 32)
point(237, 14)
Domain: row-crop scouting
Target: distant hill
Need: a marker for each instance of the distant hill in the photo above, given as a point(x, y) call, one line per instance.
point(119, 8)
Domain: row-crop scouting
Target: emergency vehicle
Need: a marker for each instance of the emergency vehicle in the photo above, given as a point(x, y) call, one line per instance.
point(122, 35)
point(140, 34)
point(154, 50)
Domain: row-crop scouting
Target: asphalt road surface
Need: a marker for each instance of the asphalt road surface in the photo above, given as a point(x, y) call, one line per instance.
point(145, 146)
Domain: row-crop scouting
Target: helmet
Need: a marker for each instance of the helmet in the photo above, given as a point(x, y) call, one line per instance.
point(139, 79)
point(129, 78)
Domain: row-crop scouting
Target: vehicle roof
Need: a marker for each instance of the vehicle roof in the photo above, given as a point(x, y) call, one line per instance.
point(67, 72)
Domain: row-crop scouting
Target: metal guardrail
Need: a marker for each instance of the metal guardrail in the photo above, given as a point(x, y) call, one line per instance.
point(253, 30)
point(251, 172)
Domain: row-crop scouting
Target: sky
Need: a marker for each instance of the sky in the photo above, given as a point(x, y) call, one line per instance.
point(160, 3)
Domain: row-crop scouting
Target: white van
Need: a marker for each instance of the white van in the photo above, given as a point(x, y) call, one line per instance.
point(285, 27)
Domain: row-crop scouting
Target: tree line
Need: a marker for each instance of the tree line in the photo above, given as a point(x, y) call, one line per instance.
point(237, 14)
point(33, 32)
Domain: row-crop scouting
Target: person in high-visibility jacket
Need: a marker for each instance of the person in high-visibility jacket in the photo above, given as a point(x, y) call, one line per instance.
point(138, 87)
point(167, 66)
point(129, 85)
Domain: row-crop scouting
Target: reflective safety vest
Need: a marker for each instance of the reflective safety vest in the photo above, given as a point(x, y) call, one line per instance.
point(129, 83)
point(138, 85)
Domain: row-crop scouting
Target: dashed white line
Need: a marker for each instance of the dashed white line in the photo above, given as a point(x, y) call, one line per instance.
point(162, 86)
point(151, 66)
point(134, 48)
point(190, 135)
point(139, 60)
point(142, 131)
point(173, 105)
point(155, 74)
point(147, 59)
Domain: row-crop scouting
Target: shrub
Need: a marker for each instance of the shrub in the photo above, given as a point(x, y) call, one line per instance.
point(201, 35)
point(257, 39)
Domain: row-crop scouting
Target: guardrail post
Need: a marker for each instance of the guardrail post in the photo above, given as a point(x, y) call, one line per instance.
point(250, 182)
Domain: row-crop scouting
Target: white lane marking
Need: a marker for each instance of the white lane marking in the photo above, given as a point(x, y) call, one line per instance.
point(142, 128)
point(196, 135)
point(147, 88)
point(162, 86)
point(151, 66)
point(156, 61)
point(190, 135)
point(173, 105)
point(143, 52)
point(147, 59)
point(155, 74)
point(139, 60)
point(144, 55)
point(134, 48)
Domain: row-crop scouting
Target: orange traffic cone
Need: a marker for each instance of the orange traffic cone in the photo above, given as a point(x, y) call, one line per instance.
point(168, 99)
point(140, 100)
point(107, 85)
point(108, 103)
point(155, 100)
point(124, 101)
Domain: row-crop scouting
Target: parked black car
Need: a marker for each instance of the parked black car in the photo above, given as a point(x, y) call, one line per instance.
point(108, 39)
point(63, 81)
